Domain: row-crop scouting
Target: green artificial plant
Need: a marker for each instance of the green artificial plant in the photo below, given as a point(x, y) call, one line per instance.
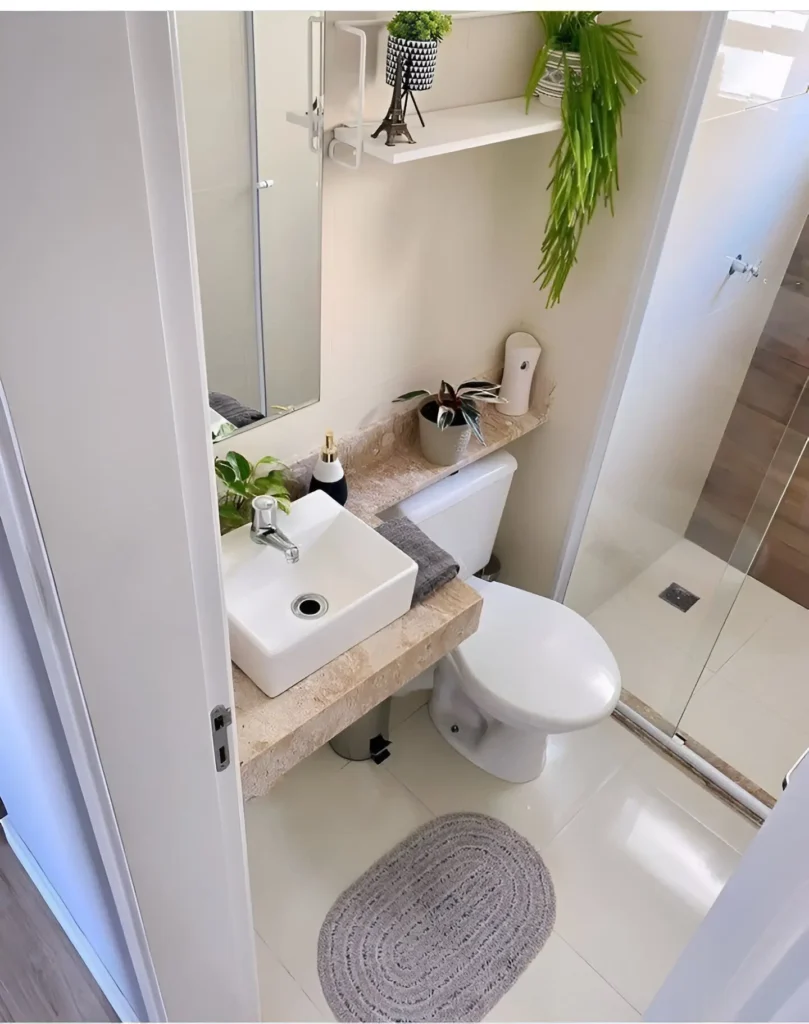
point(242, 483)
point(423, 26)
point(585, 164)
point(455, 406)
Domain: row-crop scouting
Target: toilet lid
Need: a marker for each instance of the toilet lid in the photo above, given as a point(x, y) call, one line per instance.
point(535, 663)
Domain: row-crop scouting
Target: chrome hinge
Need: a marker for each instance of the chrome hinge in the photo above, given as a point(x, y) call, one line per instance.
point(221, 719)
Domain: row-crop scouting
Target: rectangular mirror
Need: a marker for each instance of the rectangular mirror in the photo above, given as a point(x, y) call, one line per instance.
point(252, 93)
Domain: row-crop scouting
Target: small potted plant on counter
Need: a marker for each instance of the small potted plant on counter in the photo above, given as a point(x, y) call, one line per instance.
point(241, 483)
point(414, 36)
point(449, 418)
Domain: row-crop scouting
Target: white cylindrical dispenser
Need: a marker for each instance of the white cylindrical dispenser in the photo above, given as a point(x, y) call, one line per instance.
point(522, 356)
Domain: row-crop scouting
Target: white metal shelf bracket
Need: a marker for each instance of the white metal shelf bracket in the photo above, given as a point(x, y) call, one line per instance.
point(354, 165)
point(313, 105)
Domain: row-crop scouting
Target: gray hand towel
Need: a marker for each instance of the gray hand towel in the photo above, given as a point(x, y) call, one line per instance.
point(436, 567)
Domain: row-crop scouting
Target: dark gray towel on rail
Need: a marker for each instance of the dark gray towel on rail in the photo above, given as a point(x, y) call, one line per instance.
point(436, 567)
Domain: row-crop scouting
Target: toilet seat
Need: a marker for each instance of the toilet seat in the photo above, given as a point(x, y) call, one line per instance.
point(533, 663)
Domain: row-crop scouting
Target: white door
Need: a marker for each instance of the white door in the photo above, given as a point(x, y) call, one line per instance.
point(102, 366)
point(748, 960)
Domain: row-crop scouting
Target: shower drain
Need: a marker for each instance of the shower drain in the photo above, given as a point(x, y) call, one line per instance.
point(677, 596)
point(310, 606)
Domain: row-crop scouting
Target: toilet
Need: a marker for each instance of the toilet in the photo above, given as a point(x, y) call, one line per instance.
point(534, 668)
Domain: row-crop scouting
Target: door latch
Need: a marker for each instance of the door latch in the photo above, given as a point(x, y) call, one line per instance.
point(221, 719)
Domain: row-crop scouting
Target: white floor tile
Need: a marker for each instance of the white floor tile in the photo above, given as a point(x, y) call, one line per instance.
point(643, 653)
point(560, 986)
point(313, 835)
point(578, 764)
point(691, 566)
point(402, 708)
point(729, 719)
point(634, 876)
point(745, 632)
point(282, 998)
point(694, 798)
point(659, 648)
point(774, 665)
point(637, 851)
point(755, 604)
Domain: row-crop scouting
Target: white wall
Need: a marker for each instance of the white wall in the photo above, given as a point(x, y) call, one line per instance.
point(39, 787)
point(213, 52)
point(745, 190)
point(452, 244)
point(428, 266)
point(593, 325)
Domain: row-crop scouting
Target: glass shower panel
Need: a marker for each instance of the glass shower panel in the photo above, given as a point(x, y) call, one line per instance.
point(701, 485)
point(749, 710)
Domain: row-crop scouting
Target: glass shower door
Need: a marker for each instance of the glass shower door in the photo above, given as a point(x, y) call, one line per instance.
point(694, 562)
point(749, 710)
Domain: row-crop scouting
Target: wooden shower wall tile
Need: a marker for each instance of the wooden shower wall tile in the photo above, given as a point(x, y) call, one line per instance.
point(770, 398)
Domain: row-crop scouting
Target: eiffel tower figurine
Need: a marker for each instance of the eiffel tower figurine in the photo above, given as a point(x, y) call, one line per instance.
point(394, 123)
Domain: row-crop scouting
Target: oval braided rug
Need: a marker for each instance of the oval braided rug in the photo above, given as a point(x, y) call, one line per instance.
point(440, 927)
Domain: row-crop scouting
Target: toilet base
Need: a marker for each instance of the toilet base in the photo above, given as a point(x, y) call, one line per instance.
point(514, 755)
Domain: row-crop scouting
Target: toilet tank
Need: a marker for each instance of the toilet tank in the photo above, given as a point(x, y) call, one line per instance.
point(462, 513)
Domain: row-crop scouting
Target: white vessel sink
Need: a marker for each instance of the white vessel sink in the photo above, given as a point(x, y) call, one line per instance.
point(357, 580)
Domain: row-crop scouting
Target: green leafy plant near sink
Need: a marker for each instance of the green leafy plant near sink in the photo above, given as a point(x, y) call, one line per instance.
point(242, 483)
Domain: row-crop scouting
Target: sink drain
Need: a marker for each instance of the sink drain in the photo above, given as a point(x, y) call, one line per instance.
point(310, 606)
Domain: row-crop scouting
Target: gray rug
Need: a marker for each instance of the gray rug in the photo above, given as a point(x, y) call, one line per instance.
point(439, 928)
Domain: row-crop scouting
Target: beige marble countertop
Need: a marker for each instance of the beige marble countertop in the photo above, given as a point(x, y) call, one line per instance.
point(399, 470)
point(383, 466)
point(275, 734)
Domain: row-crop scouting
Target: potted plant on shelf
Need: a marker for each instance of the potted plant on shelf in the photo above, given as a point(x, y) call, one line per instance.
point(414, 36)
point(584, 66)
point(241, 483)
point(449, 418)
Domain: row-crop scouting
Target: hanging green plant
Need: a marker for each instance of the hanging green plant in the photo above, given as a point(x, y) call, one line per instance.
point(590, 62)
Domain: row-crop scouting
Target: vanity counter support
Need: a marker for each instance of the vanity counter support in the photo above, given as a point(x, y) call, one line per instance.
point(274, 734)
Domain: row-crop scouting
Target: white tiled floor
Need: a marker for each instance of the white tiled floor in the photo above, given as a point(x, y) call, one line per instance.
point(751, 707)
point(638, 852)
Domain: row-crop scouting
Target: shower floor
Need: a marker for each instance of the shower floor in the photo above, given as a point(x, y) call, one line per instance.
point(750, 706)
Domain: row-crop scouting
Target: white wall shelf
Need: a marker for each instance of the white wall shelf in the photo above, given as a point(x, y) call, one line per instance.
point(448, 131)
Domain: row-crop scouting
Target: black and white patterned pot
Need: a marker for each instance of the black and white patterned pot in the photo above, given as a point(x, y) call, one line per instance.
point(418, 62)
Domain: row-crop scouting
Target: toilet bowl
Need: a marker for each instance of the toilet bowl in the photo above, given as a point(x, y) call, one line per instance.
point(533, 668)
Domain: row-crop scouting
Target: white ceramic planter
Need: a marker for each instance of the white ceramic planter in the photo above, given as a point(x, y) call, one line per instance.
point(418, 62)
point(442, 447)
point(551, 86)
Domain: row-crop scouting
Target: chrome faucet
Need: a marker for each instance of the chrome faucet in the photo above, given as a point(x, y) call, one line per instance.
point(265, 530)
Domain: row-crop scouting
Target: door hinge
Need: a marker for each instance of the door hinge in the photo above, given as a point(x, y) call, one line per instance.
point(221, 719)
